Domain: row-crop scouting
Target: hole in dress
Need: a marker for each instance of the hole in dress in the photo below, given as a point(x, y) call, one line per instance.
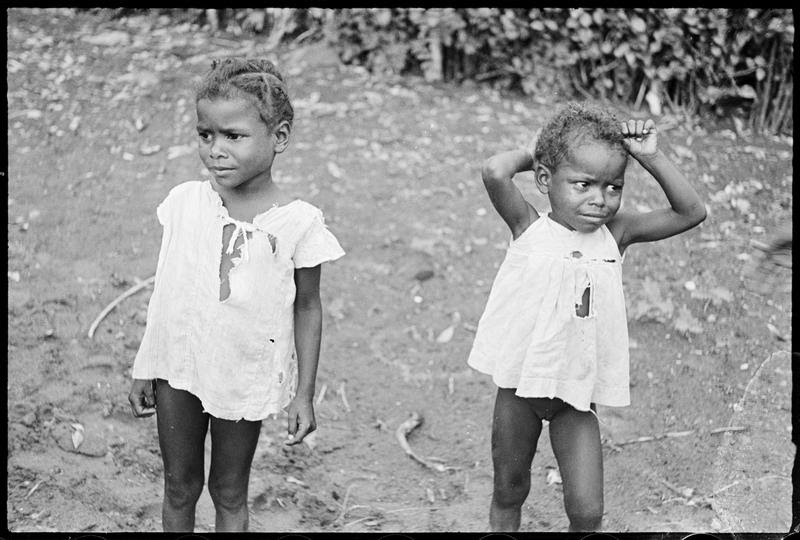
point(582, 308)
point(229, 261)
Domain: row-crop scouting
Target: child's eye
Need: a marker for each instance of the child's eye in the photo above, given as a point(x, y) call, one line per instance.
point(615, 189)
point(203, 135)
point(582, 185)
point(234, 136)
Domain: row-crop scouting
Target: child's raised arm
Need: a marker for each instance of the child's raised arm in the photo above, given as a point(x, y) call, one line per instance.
point(686, 208)
point(507, 199)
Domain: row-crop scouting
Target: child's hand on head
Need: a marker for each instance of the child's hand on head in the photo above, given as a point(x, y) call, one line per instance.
point(639, 137)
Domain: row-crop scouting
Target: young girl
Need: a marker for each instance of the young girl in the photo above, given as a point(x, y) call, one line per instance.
point(553, 335)
point(234, 322)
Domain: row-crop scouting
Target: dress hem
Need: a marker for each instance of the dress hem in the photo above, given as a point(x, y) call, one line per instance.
point(266, 411)
point(609, 396)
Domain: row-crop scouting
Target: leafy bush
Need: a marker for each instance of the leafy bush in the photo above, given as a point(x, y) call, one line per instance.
point(720, 60)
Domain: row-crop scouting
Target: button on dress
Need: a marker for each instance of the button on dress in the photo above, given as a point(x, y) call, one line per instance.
point(531, 337)
point(236, 355)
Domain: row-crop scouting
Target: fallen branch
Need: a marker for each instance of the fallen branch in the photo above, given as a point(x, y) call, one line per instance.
point(343, 395)
point(650, 438)
point(358, 521)
point(414, 421)
point(727, 429)
point(670, 435)
point(687, 495)
point(110, 307)
point(344, 504)
point(724, 488)
point(321, 395)
point(34, 488)
point(395, 511)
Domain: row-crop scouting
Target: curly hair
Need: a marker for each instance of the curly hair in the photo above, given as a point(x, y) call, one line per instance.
point(572, 125)
point(255, 79)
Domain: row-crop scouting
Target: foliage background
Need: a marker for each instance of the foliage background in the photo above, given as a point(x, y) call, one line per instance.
point(723, 61)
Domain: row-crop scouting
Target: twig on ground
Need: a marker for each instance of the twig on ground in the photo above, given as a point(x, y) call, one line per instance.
point(727, 429)
point(682, 492)
point(395, 511)
point(650, 438)
point(34, 488)
point(617, 446)
point(321, 395)
point(343, 395)
point(356, 521)
point(688, 495)
point(773, 477)
point(757, 372)
point(114, 303)
point(341, 515)
point(413, 422)
point(720, 490)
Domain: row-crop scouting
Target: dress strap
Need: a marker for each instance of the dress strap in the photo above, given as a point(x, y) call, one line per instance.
point(242, 228)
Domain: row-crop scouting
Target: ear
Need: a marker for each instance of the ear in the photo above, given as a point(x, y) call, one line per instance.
point(282, 132)
point(543, 176)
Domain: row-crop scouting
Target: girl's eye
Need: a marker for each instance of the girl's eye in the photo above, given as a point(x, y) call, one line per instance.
point(203, 135)
point(581, 185)
point(615, 189)
point(234, 136)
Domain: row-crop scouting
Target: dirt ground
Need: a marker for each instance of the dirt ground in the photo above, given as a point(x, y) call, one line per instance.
point(101, 126)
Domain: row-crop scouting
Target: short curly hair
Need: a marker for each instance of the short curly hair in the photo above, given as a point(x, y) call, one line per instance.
point(255, 79)
point(572, 125)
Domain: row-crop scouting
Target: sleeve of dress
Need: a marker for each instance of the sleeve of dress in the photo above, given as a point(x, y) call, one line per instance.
point(178, 194)
point(164, 210)
point(318, 245)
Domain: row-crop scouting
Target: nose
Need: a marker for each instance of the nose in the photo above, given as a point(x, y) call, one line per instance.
point(597, 197)
point(216, 149)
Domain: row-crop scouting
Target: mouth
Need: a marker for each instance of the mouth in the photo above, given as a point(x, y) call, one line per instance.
point(595, 216)
point(220, 170)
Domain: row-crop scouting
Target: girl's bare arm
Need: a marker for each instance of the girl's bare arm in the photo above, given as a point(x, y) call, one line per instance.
point(507, 199)
point(307, 336)
point(686, 208)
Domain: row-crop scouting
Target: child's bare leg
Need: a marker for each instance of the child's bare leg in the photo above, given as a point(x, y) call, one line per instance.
point(575, 437)
point(232, 447)
point(515, 433)
point(182, 427)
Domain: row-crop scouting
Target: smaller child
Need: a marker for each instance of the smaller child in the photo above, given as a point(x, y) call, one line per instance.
point(554, 333)
point(234, 323)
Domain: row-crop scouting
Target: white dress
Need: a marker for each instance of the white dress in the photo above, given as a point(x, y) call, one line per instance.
point(236, 355)
point(530, 337)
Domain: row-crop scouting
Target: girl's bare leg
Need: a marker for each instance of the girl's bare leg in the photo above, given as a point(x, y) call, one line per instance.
point(182, 427)
point(575, 437)
point(232, 447)
point(515, 433)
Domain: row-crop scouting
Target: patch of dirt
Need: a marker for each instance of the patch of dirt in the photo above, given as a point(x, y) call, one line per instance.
point(102, 130)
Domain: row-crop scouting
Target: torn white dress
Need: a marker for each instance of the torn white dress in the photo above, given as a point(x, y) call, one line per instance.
point(236, 355)
point(531, 337)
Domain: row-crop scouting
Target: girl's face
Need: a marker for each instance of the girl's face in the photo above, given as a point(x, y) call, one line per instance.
point(585, 190)
point(235, 144)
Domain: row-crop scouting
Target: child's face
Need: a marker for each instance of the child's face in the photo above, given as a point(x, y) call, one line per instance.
point(235, 144)
point(585, 190)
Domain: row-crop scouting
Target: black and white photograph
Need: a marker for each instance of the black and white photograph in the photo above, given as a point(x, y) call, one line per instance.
point(400, 270)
